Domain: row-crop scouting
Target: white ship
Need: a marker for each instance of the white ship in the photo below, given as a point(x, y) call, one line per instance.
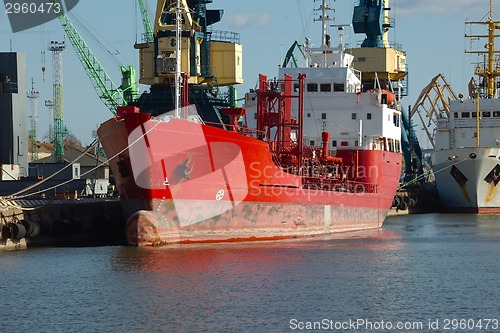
point(466, 158)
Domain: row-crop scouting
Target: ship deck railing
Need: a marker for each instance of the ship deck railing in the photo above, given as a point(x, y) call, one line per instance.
point(484, 122)
point(223, 36)
point(246, 131)
point(338, 185)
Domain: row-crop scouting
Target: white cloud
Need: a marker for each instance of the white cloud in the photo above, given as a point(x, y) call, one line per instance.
point(244, 20)
point(469, 8)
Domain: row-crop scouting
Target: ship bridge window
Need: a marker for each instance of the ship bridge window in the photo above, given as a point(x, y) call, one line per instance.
point(455, 115)
point(323, 116)
point(474, 114)
point(311, 143)
point(496, 113)
point(391, 144)
point(353, 116)
point(398, 146)
point(295, 87)
point(368, 116)
point(383, 99)
point(486, 114)
point(339, 87)
point(312, 87)
point(325, 87)
point(334, 143)
point(465, 115)
point(395, 119)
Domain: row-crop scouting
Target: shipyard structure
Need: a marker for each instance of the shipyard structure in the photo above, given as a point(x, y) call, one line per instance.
point(13, 127)
point(42, 202)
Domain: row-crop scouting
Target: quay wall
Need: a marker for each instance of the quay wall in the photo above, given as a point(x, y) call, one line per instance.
point(61, 222)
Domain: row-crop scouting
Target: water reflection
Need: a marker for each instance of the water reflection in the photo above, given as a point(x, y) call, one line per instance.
point(268, 254)
point(417, 267)
point(259, 282)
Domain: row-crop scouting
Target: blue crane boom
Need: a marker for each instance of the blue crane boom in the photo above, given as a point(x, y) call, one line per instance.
point(412, 151)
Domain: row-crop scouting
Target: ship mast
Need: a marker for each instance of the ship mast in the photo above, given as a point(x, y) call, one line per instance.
point(177, 58)
point(488, 70)
point(490, 74)
point(324, 17)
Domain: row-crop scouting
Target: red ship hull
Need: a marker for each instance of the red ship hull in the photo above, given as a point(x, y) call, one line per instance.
point(183, 182)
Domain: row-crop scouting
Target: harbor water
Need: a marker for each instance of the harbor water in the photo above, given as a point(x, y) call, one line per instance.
point(425, 273)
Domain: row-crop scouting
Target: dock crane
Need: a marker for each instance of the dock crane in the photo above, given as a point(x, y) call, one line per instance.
point(111, 95)
point(290, 56)
point(210, 59)
point(433, 104)
point(148, 26)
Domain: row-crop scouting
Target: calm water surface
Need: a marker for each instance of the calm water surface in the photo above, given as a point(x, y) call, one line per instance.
point(417, 269)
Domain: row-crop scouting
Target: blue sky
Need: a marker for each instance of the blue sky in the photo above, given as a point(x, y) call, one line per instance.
point(431, 32)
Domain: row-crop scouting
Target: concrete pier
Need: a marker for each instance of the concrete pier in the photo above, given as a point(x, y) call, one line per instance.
point(61, 222)
point(418, 200)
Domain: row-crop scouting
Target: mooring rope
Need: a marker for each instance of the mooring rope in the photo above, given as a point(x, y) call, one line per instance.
point(425, 174)
point(96, 141)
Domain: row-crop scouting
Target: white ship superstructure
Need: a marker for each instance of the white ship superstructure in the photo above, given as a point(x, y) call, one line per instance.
point(339, 100)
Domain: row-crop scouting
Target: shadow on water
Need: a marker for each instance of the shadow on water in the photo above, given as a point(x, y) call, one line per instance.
point(454, 226)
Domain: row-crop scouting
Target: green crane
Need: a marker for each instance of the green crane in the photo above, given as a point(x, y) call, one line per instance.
point(148, 27)
point(291, 56)
point(108, 92)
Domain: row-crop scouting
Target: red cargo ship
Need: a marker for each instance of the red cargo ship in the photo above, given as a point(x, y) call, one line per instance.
point(183, 179)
